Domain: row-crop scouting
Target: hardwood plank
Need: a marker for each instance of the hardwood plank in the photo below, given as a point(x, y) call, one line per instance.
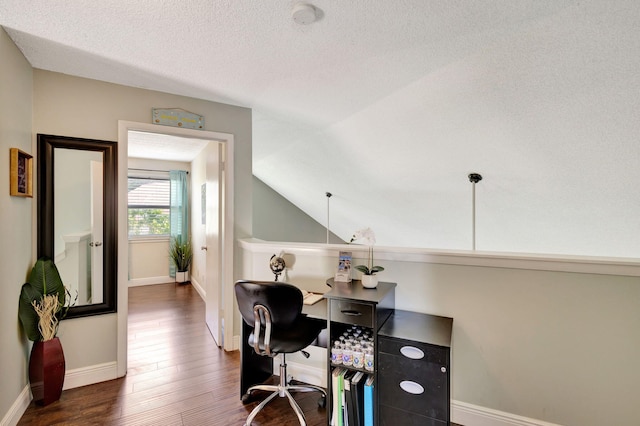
point(176, 375)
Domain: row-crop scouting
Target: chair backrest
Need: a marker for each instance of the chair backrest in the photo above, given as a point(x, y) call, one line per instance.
point(284, 301)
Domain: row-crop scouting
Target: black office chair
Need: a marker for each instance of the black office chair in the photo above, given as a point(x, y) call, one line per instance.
point(274, 310)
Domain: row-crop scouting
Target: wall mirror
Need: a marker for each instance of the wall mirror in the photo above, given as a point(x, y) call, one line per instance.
point(77, 218)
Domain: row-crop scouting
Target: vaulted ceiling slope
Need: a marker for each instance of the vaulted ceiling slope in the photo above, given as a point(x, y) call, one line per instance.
point(389, 105)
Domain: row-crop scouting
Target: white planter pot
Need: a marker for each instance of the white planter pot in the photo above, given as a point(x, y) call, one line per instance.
point(182, 277)
point(369, 281)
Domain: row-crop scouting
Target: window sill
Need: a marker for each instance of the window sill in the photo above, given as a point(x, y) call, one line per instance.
point(149, 239)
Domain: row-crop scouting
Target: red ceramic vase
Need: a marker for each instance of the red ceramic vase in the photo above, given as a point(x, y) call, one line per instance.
point(46, 371)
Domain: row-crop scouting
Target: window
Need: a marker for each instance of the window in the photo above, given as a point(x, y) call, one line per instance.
point(148, 206)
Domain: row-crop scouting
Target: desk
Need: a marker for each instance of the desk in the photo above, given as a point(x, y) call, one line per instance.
point(377, 303)
point(317, 310)
point(349, 304)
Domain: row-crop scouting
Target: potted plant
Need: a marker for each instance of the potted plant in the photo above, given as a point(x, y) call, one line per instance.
point(43, 303)
point(181, 255)
point(369, 278)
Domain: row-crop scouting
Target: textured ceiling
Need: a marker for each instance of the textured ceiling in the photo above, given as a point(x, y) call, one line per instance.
point(390, 105)
point(157, 146)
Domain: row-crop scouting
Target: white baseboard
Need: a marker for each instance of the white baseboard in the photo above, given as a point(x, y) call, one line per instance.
point(310, 370)
point(90, 375)
point(72, 379)
point(467, 414)
point(150, 280)
point(304, 373)
point(18, 408)
point(462, 413)
point(236, 343)
point(198, 288)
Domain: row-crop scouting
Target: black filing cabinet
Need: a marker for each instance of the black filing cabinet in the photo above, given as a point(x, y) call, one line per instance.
point(414, 368)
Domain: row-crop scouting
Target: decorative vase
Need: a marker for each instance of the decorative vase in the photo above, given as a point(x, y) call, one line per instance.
point(46, 371)
point(369, 281)
point(182, 276)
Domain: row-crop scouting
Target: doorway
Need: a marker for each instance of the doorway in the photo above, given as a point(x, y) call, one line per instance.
point(219, 261)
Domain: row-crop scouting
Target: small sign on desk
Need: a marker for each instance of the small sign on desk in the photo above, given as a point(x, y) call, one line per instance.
point(343, 274)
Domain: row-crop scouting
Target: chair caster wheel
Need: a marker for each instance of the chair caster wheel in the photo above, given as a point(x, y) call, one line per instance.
point(322, 401)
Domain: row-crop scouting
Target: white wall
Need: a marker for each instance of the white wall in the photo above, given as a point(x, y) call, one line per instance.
point(544, 106)
point(553, 340)
point(16, 220)
point(72, 204)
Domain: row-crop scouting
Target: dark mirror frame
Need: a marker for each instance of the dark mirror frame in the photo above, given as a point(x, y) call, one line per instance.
point(46, 164)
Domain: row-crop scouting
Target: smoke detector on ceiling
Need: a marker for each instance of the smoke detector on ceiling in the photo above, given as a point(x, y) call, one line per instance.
point(303, 13)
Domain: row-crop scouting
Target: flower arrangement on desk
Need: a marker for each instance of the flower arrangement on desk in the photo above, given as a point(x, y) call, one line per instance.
point(369, 279)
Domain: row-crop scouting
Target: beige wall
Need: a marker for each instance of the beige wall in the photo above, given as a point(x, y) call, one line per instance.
point(72, 106)
point(149, 260)
point(551, 345)
point(16, 254)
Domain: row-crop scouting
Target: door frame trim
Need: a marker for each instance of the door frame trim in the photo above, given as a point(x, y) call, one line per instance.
point(227, 240)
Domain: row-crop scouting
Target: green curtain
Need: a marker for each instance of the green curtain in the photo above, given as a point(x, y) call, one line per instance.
point(179, 210)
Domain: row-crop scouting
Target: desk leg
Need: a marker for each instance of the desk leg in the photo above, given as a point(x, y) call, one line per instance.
point(254, 368)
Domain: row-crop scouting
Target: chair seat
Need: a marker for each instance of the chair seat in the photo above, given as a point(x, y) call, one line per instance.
point(293, 339)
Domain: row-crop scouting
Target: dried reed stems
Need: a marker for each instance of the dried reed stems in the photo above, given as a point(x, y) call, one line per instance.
point(46, 310)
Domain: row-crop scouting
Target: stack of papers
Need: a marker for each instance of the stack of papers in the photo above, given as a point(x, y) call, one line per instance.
point(310, 298)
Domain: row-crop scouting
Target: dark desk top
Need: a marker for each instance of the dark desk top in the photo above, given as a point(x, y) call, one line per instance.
point(425, 328)
point(355, 291)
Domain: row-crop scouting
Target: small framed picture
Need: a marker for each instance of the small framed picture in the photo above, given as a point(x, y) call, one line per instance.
point(21, 173)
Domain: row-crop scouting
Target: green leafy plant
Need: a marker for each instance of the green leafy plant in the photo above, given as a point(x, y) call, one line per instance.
point(181, 253)
point(43, 301)
point(367, 237)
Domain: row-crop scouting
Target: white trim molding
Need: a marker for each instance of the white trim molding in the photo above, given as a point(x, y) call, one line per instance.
point(304, 373)
point(236, 343)
point(473, 415)
point(137, 282)
point(90, 375)
point(198, 287)
point(531, 261)
point(72, 379)
point(18, 408)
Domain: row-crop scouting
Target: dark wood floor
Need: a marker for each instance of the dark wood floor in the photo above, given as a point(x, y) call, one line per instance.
point(176, 375)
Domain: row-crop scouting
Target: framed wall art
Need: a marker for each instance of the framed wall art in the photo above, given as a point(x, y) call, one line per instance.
point(21, 173)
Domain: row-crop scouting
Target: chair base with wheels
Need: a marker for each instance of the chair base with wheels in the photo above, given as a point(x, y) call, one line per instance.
point(284, 389)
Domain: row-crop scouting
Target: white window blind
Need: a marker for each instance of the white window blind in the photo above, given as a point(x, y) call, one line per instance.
point(148, 206)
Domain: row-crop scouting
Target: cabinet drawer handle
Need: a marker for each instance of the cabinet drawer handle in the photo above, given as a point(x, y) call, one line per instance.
point(411, 352)
point(411, 387)
point(351, 312)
